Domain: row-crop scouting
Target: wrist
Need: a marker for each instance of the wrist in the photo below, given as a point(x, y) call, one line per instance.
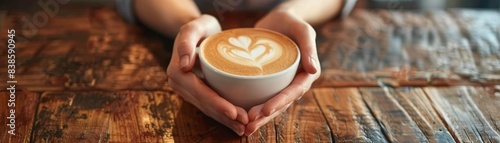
point(313, 12)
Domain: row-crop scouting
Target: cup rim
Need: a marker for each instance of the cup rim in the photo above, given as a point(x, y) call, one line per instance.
point(296, 62)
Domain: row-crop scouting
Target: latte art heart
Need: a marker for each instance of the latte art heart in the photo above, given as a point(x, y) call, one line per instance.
point(250, 52)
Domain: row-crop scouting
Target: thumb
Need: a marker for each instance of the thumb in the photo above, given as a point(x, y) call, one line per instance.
point(189, 36)
point(305, 36)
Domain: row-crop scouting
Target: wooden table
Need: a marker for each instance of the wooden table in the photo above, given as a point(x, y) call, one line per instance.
point(87, 76)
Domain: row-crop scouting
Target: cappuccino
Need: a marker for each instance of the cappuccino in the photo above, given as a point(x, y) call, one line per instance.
point(249, 51)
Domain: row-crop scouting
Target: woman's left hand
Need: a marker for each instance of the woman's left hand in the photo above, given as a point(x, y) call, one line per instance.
point(304, 36)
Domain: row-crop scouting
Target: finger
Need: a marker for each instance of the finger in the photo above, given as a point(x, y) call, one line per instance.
point(296, 89)
point(185, 43)
point(206, 96)
point(189, 36)
point(212, 24)
point(238, 128)
point(242, 115)
point(305, 36)
point(255, 112)
point(255, 125)
point(185, 94)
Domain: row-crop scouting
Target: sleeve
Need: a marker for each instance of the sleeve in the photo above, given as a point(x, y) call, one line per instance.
point(348, 7)
point(125, 8)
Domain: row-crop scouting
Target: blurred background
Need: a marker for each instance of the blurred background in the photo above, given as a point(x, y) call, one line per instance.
point(267, 4)
point(432, 4)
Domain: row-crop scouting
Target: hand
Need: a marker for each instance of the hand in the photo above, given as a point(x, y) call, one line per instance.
point(191, 88)
point(304, 35)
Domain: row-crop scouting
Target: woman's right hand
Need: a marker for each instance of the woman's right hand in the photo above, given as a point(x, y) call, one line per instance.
point(190, 87)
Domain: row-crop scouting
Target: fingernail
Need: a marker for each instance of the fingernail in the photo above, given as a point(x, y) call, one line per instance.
point(184, 61)
point(257, 117)
point(311, 61)
point(241, 120)
point(241, 131)
point(228, 115)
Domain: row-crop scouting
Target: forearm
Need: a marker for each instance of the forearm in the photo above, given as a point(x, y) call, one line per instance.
point(312, 11)
point(166, 16)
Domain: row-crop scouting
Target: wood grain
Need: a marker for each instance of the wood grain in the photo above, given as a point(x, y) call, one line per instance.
point(156, 115)
point(303, 122)
point(68, 116)
point(484, 38)
point(91, 47)
point(191, 125)
point(143, 117)
point(101, 79)
point(266, 134)
point(124, 123)
point(487, 100)
point(126, 116)
point(87, 48)
point(3, 16)
point(416, 104)
point(347, 115)
point(24, 104)
point(462, 115)
point(441, 48)
point(396, 123)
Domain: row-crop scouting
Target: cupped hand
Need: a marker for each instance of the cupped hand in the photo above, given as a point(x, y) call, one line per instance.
point(191, 88)
point(304, 36)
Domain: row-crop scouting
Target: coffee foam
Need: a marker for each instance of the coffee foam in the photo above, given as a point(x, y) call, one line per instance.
point(242, 50)
point(249, 52)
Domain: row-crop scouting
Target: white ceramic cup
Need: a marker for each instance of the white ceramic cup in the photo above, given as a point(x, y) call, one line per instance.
point(246, 91)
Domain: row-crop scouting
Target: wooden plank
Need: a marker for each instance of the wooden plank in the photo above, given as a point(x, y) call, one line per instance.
point(24, 104)
point(339, 78)
point(108, 20)
point(144, 117)
point(191, 125)
point(265, 134)
point(127, 116)
point(483, 35)
point(124, 122)
point(302, 122)
point(462, 115)
point(487, 100)
point(78, 50)
point(406, 48)
point(58, 27)
point(3, 15)
point(347, 115)
point(89, 68)
point(415, 102)
point(441, 48)
point(396, 123)
point(69, 116)
point(157, 115)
